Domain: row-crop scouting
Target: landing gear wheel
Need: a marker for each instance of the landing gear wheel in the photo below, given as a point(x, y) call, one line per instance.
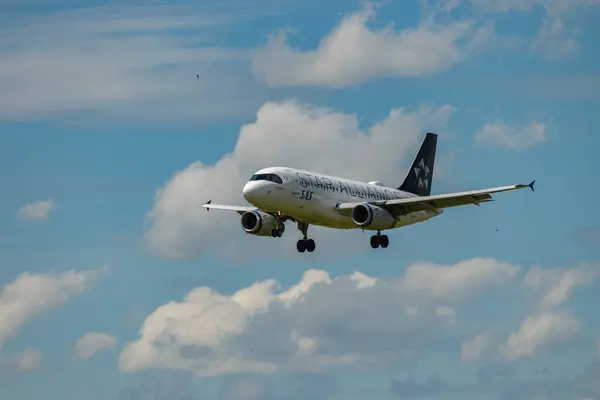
point(301, 245)
point(375, 241)
point(278, 232)
point(305, 244)
point(379, 240)
point(384, 241)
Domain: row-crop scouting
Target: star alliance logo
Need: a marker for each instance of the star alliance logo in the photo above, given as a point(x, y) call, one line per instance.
point(422, 181)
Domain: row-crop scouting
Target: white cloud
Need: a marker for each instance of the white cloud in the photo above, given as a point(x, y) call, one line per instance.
point(467, 277)
point(474, 348)
point(538, 331)
point(557, 35)
point(291, 134)
point(353, 52)
point(123, 62)
point(319, 322)
point(28, 360)
point(555, 41)
point(36, 210)
point(31, 294)
point(556, 285)
point(500, 134)
point(93, 342)
point(543, 325)
point(553, 7)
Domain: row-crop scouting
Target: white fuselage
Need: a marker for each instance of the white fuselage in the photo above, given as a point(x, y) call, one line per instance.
point(312, 197)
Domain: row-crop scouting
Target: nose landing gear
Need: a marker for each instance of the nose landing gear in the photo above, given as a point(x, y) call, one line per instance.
point(278, 232)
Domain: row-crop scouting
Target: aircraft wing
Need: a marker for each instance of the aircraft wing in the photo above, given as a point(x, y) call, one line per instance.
point(239, 209)
point(436, 202)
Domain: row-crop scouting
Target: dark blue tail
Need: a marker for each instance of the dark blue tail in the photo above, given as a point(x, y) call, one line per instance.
point(418, 179)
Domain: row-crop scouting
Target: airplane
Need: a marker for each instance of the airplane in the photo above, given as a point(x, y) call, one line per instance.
point(280, 194)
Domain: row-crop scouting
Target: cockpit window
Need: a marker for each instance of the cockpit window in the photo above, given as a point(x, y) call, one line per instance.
point(267, 177)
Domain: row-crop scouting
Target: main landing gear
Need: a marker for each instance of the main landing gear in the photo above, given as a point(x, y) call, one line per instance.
point(305, 244)
point(379, 240)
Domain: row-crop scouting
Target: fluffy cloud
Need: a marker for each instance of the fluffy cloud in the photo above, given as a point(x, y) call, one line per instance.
point(556, 285)
point(557, 35)
point(31, 294)
point(469, 276)
point(353, 52)
point(552, 7)
point(321, 322)
point(325, 322)
point(538, 331)
point(500, 134)
point(291, 134)
point(36, 210)
point(554, 40)
point(122, 62)
point(544, 324)
point(474, 348)
point(91, 343)
point(28, 360)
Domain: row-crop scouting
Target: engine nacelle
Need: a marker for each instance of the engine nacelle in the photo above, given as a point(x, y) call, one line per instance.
point(372, 217)
point(259, 223)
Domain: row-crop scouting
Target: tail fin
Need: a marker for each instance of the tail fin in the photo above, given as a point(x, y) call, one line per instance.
point(419, 176)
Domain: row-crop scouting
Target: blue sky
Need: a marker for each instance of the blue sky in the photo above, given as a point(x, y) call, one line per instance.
point(116, 285)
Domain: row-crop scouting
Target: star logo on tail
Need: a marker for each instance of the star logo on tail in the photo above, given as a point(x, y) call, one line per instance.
point(422, 180)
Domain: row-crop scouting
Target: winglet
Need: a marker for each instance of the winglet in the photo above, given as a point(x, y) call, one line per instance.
point(531, 185)
point(208, 202)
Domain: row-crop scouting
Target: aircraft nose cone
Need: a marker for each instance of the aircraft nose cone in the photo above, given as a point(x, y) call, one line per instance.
point(249, 191)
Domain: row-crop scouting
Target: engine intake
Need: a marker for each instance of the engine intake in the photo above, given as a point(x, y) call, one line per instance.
point(258, 223)
point(372, 217)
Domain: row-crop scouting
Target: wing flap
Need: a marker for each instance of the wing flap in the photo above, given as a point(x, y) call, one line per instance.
point(436, 202)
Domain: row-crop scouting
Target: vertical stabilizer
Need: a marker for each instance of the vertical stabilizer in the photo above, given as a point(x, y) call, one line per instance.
point(419, 176)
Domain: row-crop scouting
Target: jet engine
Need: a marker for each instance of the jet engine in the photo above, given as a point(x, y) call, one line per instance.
point(368, 216)
point(259, 223)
